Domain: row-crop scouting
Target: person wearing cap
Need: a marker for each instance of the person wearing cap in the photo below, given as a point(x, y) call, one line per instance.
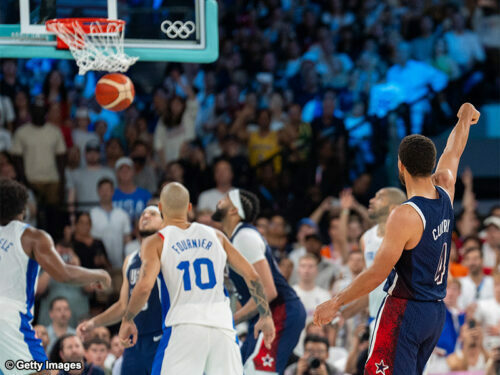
point(237, 211)
point(491, 246)
point(81, 135)
point(110, 224)
point(127, 195)
point(82, 182)
point(139, 358)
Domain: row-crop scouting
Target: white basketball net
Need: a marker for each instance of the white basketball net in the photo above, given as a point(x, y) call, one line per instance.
point(98, 48)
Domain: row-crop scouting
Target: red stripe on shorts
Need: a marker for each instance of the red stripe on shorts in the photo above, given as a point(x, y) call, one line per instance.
point(265, 360)
point(386, 337)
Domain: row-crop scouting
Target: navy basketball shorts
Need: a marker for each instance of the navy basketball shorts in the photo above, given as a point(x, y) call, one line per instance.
point(404, 337)
point(139, 358)
point(289, 319)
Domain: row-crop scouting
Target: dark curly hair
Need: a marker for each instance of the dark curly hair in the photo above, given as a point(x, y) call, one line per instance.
point(13, 198)
point(251, 205)
point(418, 154)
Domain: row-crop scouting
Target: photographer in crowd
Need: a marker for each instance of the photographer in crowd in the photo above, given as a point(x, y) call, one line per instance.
point(313, 362)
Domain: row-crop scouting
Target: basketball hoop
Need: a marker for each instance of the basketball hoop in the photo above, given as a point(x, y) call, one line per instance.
point(95, 43)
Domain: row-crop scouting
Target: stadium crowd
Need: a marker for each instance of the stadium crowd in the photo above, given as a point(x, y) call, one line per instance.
point(305, 107)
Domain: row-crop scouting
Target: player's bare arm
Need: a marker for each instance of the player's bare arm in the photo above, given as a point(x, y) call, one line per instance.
point(255, 287)
point(404, 228)
point(249, 310)
point(446, 170)
point(39, 246)
point(150, 255)
point(111, 315)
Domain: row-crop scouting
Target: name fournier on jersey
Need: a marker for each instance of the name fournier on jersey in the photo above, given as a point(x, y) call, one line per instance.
point(193, 243)
point(444, 227)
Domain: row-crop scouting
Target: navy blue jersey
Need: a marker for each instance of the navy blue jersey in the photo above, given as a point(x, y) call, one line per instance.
point(285, 291)
point(421, 273)
point(149, 320)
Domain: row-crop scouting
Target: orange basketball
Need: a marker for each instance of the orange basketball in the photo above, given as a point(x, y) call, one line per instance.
point(115, 92)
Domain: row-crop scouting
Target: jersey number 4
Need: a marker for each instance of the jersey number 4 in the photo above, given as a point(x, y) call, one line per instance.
point(439, 277)
point(198, 265)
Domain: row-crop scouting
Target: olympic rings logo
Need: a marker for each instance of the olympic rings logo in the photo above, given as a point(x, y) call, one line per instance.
point(177, 29)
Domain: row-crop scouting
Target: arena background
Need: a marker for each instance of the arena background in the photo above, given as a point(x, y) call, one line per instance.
point(305, 107)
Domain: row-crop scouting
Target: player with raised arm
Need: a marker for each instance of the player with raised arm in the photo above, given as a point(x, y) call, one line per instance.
point(237, 211)
point(23, 251)
point(137, 360)
point(415, 252)
point(190, 258)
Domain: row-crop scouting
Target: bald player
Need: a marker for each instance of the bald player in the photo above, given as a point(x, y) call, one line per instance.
point(137, 360)
point(189, 259)
point(381, 205)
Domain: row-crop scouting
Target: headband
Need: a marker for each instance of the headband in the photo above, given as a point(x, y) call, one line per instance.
point(154, 208)
point(234, 197)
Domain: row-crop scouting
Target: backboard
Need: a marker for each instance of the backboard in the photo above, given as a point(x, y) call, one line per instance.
point(156, 30)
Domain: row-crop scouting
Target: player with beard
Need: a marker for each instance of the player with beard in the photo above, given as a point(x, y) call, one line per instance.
point(237, 210)
point(137, 360)
point(414, 255)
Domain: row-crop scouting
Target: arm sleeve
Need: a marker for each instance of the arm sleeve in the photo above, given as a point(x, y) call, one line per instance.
point(250, 245)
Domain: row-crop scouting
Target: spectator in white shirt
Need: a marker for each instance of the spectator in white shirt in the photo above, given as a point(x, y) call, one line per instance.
point(415, 78)
point(309, 293)
point(491, 247)
point(82, 182)
point(223, 176)
point(110, 224)
point(463, 45)
point(476, 285)
point(488, 314)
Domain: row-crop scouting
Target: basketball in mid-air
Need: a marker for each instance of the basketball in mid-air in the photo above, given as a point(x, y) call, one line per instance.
point(115, 92)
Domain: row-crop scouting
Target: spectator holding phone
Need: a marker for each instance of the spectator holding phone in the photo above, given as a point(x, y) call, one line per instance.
point(472, 355)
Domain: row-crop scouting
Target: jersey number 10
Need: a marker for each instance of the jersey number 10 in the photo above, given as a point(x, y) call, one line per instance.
point(197, 267)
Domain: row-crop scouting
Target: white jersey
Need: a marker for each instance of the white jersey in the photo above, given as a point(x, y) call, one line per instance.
point(192, 277)
point(18, 278)
point(372, 244)
point(18, 273)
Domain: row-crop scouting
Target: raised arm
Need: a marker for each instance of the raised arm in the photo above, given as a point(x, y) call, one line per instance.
point(446, 170)
point(400, 230)
point(150, 255)
point(255, 287)
point(40, 247)
point(112, 314)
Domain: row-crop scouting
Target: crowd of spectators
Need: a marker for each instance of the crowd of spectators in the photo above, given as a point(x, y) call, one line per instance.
point(307, 98)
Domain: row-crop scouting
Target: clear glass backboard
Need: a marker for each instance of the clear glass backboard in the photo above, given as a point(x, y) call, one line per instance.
point(156, 30)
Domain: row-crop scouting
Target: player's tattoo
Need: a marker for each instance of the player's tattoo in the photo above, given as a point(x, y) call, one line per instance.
point(257, 291)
